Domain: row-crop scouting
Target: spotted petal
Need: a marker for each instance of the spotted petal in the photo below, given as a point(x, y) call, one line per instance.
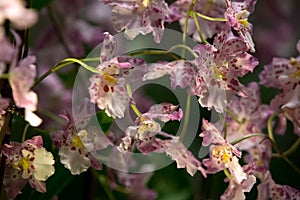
point(73, 160)
point(108, 49)
point(184, 158)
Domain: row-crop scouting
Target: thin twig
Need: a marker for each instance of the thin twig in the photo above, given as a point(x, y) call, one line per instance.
point(58, 32)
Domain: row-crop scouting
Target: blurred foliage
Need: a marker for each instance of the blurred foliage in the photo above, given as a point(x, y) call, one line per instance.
point(170, 183)
point(39, 4)
point(104, 121)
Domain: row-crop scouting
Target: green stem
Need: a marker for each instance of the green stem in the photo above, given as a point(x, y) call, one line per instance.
point(52, 70)
point(185, 32)
point(188, 100)
point(225, 131)
point(292, 149)
point(233, 116)
point(24, 132)
point(222, 119)
point(25, 35)
point(4, 76)
point(271, 136)
point(184, 47)
point(66, 62)
point(105, 184)
point(133, 106)
point(58, 32)
point(52, 116)
point(249, 136)
point(291, 164)
point(198, 28)
point(155, 52)
point(227, 173)
point(210, 18)
point(82, 64)
point(185, 25)
point(270, 131)
point(186, 118)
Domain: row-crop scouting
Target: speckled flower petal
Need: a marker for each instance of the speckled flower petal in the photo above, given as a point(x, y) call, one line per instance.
point(236, 191)
point(157, 70)
point(13, 183)
point(164, 112)
point(182, 73)
point(140, 17)
point(28, 161)
point(184, 158)
point(243, 63)
point(211, 135)
point(277, 73)
point(237, 17)
point(73, 160)
point(268, 189)
point(108, 48)
point(219, 67)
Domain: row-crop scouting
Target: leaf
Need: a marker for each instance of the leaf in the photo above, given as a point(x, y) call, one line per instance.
point(17, 131)
point(17, 128)
point(39, 4)
point(57, 182)
point(104, 121)
point(168, 187)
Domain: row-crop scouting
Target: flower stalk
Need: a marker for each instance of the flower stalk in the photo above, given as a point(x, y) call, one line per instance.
point(64, 63)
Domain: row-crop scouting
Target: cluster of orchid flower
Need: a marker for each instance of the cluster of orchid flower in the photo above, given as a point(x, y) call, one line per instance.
point(243, 135)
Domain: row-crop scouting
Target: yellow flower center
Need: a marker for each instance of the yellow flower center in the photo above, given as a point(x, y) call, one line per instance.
point(77, 142)
point(147, 126)
point(242, 17)
point(226, 158)
point(142, 129)
point(146, 2)
point(222, 152)
point(24, 162)
point(110, 79)
point(296, 64)
point(218, 72)
point(244, 22)
point(143, 6)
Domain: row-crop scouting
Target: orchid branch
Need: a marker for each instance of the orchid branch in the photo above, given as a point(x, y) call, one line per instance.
point(133, 106)
point(66, 62)
point(249, 136)
point(271, 136)
point(186, 25)
point(155, 52)
point(104, 182)
point(290, 150)
point(215, 19)
point(58, 31)
point(4, 76)
point(183, 47)
point(25, 132)
point(198, 28)
point(186, 118)
point(270, 131)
